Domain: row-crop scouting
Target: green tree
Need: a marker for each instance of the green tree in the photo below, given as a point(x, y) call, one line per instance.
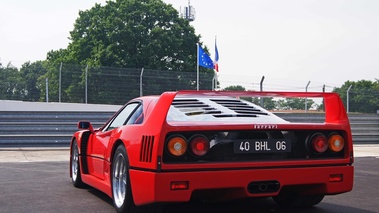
point(295, 104)
point(11, 85)
point(235, 88)
point(29, 73)
point(131, 34)
point(51, 78)
point(268, 102)
point(363, 95)
point(239, 88)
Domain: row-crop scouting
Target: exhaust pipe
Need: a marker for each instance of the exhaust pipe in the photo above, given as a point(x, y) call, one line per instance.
point(263, 187)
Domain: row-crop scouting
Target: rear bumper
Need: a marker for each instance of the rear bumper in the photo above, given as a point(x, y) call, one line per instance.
point(151, 187)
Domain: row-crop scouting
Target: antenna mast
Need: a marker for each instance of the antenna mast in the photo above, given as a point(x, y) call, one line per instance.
point(189, 12)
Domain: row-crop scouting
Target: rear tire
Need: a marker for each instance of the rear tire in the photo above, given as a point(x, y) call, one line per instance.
point(121, 188)
point(122, 197)
point(76, 176)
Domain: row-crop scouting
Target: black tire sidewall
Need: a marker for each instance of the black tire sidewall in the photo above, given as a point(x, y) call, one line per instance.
point(78, 181)
point(128, 202)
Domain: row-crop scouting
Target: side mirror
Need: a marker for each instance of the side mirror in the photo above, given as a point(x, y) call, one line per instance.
point(85, 125)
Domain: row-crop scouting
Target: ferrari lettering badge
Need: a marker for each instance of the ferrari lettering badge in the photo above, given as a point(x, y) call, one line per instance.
point(265, 126)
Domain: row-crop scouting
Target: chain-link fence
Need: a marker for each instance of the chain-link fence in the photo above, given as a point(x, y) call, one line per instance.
point(109, 85)
point(359, 100)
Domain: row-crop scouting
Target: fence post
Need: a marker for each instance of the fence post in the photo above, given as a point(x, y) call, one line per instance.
point(47, 90)
point(347, 99)
point(306, 100)
point(140, 83)
point(261, 89)
point(60, 83)
point(213, 82)
point(86, 85)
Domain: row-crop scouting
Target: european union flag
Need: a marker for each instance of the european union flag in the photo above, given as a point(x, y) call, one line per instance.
point(204, 59)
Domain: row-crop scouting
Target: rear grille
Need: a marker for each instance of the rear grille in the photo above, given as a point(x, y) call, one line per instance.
point(146, 148)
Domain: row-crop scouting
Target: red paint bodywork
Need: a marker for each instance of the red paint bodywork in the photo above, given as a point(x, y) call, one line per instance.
point(150, 179)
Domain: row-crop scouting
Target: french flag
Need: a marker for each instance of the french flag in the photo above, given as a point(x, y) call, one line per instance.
point(215, 62)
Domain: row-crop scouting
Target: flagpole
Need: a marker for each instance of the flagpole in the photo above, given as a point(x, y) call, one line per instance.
point(216, 73)
point(216, 81)
point(197, 63)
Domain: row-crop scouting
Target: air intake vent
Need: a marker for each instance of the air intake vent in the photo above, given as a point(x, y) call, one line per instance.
point(242, 109)
point(147, 148)
point(194, 107)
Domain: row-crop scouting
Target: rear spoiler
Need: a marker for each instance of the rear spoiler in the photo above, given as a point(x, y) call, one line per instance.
point(334, 109)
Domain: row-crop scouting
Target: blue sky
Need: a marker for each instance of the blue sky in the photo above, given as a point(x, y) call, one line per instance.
point(289, 42)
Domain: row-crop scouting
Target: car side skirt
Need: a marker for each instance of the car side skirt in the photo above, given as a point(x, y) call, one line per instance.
point(102, 185)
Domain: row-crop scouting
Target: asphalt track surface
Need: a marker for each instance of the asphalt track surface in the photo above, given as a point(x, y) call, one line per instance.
point(45, 186)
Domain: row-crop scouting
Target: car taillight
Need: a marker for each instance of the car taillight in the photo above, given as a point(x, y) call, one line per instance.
point(336, 142)
point(177, 146)
point(199, 145)
point(318, 143)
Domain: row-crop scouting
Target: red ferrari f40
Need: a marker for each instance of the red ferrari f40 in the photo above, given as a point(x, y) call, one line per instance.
point(213, 146)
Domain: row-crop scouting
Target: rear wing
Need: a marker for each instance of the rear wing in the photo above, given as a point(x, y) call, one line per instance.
point(333, 106)
point(334, 109)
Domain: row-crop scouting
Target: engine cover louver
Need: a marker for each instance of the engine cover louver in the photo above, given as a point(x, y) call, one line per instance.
point(216, 108)
point(194, 107)
point(241, 108)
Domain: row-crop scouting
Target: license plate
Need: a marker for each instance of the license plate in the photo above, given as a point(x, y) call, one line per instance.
point(262, 146)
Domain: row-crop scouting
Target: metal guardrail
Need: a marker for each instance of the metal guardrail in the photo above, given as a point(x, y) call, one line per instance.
point(44, 129)
point(364, 127)
point(55, 128)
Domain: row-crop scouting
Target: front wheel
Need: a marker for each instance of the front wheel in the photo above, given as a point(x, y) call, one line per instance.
point(75, 166)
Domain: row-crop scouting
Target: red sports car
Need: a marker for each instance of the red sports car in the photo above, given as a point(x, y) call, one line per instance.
point(213, 146)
